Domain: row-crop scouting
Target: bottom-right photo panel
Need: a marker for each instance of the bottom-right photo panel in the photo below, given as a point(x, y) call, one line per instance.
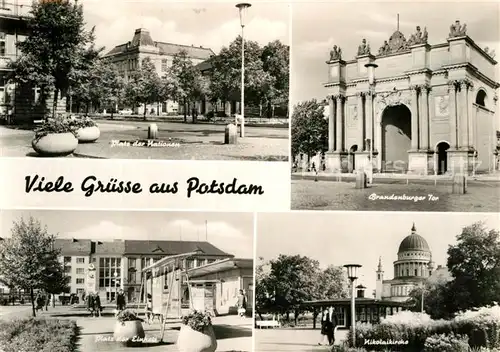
point(335, 281)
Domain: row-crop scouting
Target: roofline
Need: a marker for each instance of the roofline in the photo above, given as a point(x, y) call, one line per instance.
point(166, 259)
point(358, 301)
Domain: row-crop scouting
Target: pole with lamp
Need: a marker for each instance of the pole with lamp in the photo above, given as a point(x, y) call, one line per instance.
point(371, 80)
point(352, 275)
point(242, 7)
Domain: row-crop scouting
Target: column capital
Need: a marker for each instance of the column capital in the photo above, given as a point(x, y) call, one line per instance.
point(339, 97)
point(415, 88)
point(465, 83)
point(361, 94)
point(453, 85)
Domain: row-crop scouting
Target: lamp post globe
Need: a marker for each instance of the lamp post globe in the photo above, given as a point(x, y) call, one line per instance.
point(352, 275)
point(242, 7)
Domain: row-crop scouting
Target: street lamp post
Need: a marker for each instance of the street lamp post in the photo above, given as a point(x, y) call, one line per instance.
point(371, 80)
point(352, 274)
point(242, 7)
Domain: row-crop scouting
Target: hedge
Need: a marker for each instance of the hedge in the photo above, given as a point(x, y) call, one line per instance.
point(38, 335)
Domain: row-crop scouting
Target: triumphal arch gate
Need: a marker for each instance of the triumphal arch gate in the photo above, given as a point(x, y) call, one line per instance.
point(413, 107)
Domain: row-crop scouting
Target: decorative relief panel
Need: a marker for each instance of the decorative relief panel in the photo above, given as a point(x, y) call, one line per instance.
point(394, 98)
point(441, 104)
point(352, 120)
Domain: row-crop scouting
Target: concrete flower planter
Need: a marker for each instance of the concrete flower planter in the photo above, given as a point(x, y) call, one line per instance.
point(129, 332)
point(88, 134)
point(55, 144)
point(190, 340)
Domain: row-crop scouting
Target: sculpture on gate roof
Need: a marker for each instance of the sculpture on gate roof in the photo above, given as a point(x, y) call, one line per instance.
point(418, 37)
point(364, 48)
point(397, 43)
point(335, 53)
point(457, 30)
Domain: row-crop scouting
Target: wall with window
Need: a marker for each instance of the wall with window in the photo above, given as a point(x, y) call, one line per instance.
point(109, 275)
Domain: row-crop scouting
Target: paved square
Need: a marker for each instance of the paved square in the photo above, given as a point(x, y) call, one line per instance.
point(233, 333)
point(195, 142)
point(277, 340)
point(481, 196)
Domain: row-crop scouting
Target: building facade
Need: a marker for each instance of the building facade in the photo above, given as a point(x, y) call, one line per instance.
point(117, 264)
point(413, 107)
point(128, 57)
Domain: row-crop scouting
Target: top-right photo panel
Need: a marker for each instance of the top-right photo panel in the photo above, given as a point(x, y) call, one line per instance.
point(395, 106)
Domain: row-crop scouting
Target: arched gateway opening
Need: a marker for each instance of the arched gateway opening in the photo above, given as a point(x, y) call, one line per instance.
point(396, 138)
point(442, 157)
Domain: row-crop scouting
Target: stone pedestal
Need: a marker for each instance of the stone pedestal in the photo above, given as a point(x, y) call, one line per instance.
point(361, 182)
point(362, 160)
point(420, 162)
point(153, 131)
point(230, 134)
point(336, 162)
point(460, 161)
point(459, 184)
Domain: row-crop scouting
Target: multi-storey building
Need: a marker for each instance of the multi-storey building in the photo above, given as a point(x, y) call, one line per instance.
point(13, 28)
point(128, 57)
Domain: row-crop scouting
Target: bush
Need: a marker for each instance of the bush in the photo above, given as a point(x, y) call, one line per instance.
point(39, 335)
point(60, 124)
point(447, 343)
point(128, 315)
point(83, 122)
point(481, 327)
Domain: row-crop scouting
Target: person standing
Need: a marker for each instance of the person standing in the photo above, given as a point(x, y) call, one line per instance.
point(97, 304)
point(120, 301)
point(333, 325)
point(242, 304)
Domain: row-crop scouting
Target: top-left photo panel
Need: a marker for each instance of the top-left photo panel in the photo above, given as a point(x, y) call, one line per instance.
point(144, 80)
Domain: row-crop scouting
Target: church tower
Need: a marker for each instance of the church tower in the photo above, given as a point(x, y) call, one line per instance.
point(380, 278)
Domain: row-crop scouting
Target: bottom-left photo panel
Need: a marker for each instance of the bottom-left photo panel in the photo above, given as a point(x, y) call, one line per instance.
point(108, 280)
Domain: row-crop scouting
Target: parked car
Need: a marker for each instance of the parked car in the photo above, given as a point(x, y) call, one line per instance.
point(125, 112)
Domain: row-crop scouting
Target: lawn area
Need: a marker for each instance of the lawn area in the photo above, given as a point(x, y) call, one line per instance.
point(331, 195)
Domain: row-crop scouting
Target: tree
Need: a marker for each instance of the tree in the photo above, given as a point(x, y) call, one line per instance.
point(262, 296)
point(291, 281)
point(276, 61)
point(29, 259)
point(144, 86)
point(54, 49)
point(474, 263)
point(309, 129)
point(190, 85)
point(332, 283)
point(225, 75)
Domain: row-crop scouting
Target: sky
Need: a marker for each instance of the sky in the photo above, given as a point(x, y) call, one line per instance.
point(230, 232)
point(338, 238)
point(211, 25)
point(317, 28)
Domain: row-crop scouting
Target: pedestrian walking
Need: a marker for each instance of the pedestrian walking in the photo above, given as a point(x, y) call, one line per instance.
point(120, 301)
point(242, 304)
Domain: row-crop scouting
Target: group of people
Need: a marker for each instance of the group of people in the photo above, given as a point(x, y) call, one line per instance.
point(242, 303)
point(94, 306)
point(328, 326)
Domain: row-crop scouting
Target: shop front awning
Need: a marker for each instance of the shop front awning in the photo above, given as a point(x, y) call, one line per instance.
point(220, 266)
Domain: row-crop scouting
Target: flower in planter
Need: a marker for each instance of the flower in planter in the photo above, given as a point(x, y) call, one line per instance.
point(197, 320)
point(128, 315)
point(60, 124)
point(83, 122)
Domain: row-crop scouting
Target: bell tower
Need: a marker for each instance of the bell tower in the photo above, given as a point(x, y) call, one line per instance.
point(380, 279)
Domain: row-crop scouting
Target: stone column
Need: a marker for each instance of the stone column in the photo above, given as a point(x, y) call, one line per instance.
point(331, 125)
point(338, 125)
point(453, 115)
point(414, 117)
point(463, 130)
point(470, 99)
point(369, 119)
point(424, 118)
point(362, 118)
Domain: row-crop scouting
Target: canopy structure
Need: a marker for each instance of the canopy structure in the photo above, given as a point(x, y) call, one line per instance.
point(165, 282)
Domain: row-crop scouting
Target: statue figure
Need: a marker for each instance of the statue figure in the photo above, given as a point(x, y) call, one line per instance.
point(418, 37)
point(384, 49)
point(364, 49)
point(492, 54)
point(486, 50)
point(335, 53)
point(425, 36)
point(457, 30)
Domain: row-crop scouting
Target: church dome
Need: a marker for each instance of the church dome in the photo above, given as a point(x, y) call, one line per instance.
point(414, 242)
